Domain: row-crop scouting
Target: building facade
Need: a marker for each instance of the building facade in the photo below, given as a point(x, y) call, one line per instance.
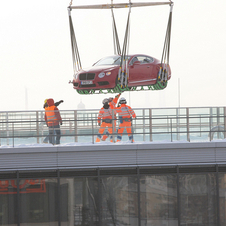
point(167, 184)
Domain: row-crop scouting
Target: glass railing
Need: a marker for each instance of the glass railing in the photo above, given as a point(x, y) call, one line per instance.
point(150, 125)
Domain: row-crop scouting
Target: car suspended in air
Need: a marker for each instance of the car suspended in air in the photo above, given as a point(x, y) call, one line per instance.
point(121, 72)
point(142, 71)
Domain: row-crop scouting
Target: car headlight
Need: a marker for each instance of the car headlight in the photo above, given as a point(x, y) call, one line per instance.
point(101, 75)
point(108, 73)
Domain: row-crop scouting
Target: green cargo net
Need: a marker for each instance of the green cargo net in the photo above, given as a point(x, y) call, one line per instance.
point(118, 89)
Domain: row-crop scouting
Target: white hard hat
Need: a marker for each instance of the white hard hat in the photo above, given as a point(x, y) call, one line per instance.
point(105, 100)
point(122, 100)
point(110, 99)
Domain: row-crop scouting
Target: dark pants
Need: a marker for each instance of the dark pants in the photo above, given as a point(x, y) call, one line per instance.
point(55, 129)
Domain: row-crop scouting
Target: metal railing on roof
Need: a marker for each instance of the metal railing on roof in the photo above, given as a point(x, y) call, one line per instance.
point(150, 125)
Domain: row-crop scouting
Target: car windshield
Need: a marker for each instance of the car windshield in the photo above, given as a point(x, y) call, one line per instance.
point(112, 60)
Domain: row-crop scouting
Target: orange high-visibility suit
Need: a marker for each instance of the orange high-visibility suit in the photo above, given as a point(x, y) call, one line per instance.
point(105, 115)
point(125, 113)
point(112, 104)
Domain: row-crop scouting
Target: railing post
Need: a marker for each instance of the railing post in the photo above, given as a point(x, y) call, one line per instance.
point(42, 117)
point(211, 122)
point(113, 125)
point(76, 125)
point(210, 128)
point(178, 123)
point(218, 122)
point(171, 128)
point(13, 132)
point(224, 122)
point(7, 127)
point(37, 127)
point(187, 117)
point(143, 124)
point(150, 124)
point(92, 132)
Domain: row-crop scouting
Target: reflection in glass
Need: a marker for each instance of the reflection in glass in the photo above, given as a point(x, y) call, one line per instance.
point(158, 195)
point(119, 201)
point(38, 202)
point(8, 203)
point(222, 198)
point(86, 211)
point(198, 199)
point(82, 207)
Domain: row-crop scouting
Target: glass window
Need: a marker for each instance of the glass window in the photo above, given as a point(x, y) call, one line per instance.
point(111, 60)
point(222, 198)
point(8, 202)
point(82, 206)
point(119, 201)
point(38, 202)
point(198, 199)
point(158, 197)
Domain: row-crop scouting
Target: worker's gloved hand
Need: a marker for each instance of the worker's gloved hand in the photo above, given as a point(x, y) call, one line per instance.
point(61, 123)
point(99, 124)
point(117, 96)
point(61, 101)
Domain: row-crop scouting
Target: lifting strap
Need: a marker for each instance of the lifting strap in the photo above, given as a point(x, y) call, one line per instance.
point(123, 74)
point(163, 72)
point(117, 49)
point(75, 54)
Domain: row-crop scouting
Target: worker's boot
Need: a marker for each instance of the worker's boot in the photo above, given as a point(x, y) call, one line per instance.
point(104, 137)
point(131, 139)
point(119, 138)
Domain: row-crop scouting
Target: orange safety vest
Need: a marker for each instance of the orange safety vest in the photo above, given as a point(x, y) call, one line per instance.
point(50, 115)
point(125, 111)
point(104, 114)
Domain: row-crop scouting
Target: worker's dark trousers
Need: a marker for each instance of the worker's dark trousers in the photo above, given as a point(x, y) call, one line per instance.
point(55, 129)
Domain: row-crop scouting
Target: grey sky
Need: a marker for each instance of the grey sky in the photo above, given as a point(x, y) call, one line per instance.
point(36, 62)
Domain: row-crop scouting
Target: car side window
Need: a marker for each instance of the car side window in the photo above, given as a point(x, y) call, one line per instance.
point(134, 59)
point(147, 60)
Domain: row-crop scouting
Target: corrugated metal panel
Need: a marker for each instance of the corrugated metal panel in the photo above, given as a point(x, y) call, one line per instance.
point(108, 156)
point(28, 158)
point(101, 157)
point(179, 156)
point(220, 154)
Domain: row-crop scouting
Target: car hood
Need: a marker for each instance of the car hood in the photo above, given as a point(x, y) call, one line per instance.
point(99, 68)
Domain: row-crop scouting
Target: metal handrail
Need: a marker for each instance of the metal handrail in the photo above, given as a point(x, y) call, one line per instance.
point(148, 126)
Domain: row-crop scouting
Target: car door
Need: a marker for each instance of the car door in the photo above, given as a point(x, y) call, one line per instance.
point(140, 71)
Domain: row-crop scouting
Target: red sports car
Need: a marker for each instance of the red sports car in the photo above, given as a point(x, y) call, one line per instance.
point(143, 71)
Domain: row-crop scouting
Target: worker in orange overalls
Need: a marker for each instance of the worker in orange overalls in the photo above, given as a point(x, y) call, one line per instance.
point(125, 113)
point(105, 115)
point(112, 103)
